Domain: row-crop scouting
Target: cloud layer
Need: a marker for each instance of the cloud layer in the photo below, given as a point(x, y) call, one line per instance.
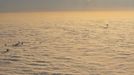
point(55, 5)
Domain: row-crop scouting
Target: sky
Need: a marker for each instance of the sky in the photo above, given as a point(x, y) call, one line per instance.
point(63, 5)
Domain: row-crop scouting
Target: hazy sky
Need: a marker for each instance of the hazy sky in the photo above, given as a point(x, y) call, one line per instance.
point(56, 5)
